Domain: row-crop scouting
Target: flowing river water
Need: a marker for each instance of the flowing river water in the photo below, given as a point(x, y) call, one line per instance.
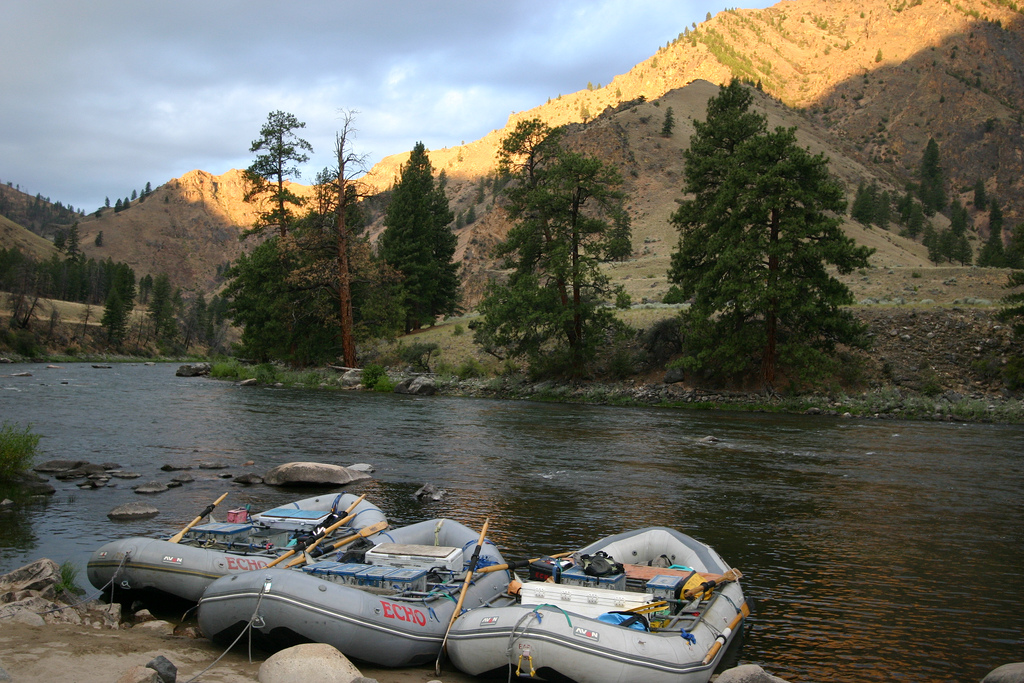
point(872, 550)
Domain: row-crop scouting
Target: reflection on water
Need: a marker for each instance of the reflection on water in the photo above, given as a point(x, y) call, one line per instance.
point(873, 551)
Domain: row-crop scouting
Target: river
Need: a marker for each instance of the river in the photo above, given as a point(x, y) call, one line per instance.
point(872, 550)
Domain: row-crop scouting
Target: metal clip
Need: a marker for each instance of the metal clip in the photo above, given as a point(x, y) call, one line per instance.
point(266, 585)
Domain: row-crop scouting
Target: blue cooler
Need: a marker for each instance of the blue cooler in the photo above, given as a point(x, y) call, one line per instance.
point(576, 577)
point(346, 573)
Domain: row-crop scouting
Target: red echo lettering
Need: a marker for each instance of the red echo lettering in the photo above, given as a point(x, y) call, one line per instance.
point(245, 564)
point(404, 613)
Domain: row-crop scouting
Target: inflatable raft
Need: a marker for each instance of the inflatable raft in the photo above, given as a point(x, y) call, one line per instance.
point(637, 622)
point(208, 551)
point(391, 609)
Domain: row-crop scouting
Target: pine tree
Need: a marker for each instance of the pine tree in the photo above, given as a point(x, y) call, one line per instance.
point(418, 241)
point(980, 200)
point(563, 205)
point(282, 152)
point(755, 243)
point(1015, 248)
point(992, 254)
point(669, 124)
point(883, 210)
point(932, 188)
point(865, 203)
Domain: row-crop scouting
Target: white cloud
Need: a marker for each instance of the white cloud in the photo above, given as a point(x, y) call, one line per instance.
point(102, 97)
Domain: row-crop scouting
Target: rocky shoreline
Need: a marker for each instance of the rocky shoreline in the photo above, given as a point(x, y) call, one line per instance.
point(48, 633)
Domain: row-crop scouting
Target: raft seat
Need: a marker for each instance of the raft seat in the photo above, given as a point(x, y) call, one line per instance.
point(642, 572)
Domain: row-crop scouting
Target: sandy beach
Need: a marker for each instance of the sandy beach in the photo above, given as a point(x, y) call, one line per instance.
point(77, 654)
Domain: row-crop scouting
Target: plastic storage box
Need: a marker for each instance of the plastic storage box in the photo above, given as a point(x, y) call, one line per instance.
point(291, 518)
point(409, 556)
point(589, 602)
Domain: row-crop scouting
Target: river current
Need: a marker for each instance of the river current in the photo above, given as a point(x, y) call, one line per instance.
point(871, 550)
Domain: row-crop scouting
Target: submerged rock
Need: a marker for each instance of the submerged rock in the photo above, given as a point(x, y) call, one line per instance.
point(133, 510)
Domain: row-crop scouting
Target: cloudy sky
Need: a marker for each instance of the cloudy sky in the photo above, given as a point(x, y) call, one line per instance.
point(101, 97)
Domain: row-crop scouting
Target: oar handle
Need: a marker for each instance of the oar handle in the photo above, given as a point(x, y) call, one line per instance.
point(462, 594)
point(209, 508)
point(320, 536)
point(518, 564)
point(724, 635)
point(363, 533)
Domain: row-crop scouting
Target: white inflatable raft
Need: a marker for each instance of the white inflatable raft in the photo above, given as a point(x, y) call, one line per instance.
point(391, 610)
point(209, 551)
point(564, 628)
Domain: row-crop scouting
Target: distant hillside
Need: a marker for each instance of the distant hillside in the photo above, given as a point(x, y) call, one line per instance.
point(14, 235)
point(189, 228)
point(881, 76)
point(866, 82)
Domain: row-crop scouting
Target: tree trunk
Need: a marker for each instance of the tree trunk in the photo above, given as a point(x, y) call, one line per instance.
point(346, 316)
point(772, 311)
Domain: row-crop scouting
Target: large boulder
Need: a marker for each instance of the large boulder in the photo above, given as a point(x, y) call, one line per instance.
point(312, 473)
point(1007, 673)
point(352, 378)
point(309, 663)
point(193, 370)
point(40, 576)
point(417, 386)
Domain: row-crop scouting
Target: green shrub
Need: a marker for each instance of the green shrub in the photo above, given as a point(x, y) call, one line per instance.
point(68, 580)
point(229, 369)
point(470, 368)
point(457, 331)
point(372, 374)
point(384, 385)
point(266, 373)
point(1013, 373)
point(674, 295)
point(418, 355)
point(17, 448)
point(24, 343)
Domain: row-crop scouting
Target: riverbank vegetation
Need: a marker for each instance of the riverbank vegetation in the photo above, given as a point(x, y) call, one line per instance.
point(17, 448)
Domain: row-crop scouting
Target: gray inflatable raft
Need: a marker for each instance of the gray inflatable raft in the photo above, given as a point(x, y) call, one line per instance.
point(564, 628)
point(391, 610)
point(212, 550)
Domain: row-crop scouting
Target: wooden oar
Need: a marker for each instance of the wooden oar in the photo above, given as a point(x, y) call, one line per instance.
point(462, 594)
point(326, 532)
point(724, 635)
point(519, 564)
point(363, 533)
point(728, 577)
point(209, 508)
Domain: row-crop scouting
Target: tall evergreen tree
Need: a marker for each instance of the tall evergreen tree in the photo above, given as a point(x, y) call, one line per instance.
point(669, 124)
point(1015, 248)
point(419, 242)
point(281, 152)
point(565, 207)
point(932, 191)
point(980, 199)
point(992, 254)
point(865, 203)
point(755, 243)
point(161, 308)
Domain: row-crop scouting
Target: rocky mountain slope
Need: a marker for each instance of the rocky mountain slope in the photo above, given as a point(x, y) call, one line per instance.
point(868, 83)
